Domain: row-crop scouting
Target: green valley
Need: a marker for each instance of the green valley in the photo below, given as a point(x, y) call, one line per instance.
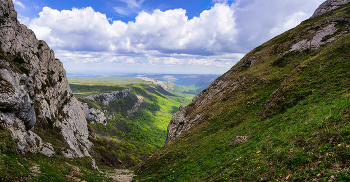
point(289, 100)
point(282, 113)
point(135, 126)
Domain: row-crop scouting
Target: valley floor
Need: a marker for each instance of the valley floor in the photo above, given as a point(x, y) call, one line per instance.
point(122, 175)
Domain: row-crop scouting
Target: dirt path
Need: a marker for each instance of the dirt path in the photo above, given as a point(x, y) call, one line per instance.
point(35, 169)
point(75, 171)
point(122, 175)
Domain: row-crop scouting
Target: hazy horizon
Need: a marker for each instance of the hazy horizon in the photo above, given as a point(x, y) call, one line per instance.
point(120, 74)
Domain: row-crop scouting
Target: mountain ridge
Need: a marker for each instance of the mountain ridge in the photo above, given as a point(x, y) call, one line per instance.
point(127, 117)
point(288, 98)
point(248, 61)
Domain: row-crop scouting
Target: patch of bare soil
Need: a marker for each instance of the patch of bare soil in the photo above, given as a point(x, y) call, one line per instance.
point(122, 175)
point(75, 171)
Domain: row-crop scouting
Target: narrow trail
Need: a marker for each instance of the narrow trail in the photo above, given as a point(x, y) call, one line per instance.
point(75, 171)
point(122, 175)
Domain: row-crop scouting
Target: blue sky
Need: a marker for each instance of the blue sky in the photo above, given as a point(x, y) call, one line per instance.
point(110, 8)
point(154, 36)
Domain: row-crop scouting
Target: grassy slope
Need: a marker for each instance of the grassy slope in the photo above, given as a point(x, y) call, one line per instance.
point(129, 138)
point(307, 131)
point(16, 167)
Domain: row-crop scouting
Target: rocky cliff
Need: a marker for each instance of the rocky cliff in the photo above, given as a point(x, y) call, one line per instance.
point(35, 97)
point(94, 115)
point(106, 98)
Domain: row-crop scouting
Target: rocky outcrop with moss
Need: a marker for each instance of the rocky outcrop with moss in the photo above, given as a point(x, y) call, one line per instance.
point(36, 102)
point(94, 114)
point(106, 98)
point(328, 6)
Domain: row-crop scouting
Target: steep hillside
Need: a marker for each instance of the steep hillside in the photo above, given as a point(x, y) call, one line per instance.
point(281, 113)
point(127, 117)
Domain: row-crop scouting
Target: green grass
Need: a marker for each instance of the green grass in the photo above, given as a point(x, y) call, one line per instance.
point(297, 119)
point(12, 166)
point(17, 167)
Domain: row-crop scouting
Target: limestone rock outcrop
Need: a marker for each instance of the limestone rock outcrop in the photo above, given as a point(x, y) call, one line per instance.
point(328, 6)
point(34, 91)
point(167, 85)
point(316, 41)
point(176, 124)
point(238, 140)
point(94, 115)
point(27, 141)
point(106, 98)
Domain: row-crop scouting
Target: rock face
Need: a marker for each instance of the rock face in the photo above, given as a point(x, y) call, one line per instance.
point(167, 85)
point(94, 115)
point(316, 41)
point(176, 124)
point(27, 141)
point(106, 98)
point(328, 6)
point(34, 91)
point(238, 140)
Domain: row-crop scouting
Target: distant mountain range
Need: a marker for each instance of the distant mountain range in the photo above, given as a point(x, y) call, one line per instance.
point(196, 82)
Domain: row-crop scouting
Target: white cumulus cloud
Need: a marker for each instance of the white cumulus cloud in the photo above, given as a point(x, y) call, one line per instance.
point(214, 41)
point(77, 29)
point(161, 32)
